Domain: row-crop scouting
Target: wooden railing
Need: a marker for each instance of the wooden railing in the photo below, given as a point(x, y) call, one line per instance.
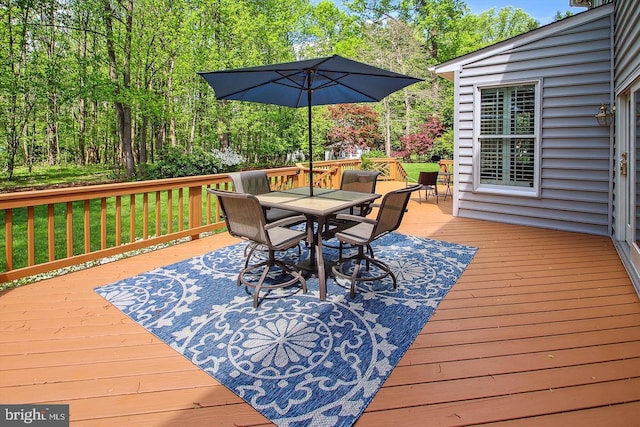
point(389, 168)
point(84, 224)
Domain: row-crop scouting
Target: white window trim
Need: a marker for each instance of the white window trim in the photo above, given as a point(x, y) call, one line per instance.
point(507, 190)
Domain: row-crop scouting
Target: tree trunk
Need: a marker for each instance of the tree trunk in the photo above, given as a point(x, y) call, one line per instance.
point(169, 100)
point(53, 146)
point(142, 152)
point(387, 127)
point(123, 111)
point(82, 125)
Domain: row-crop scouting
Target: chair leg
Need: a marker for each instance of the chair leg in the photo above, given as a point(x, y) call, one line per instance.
point(354, 277)
point(358, 260)
point(256, 292)
point(296, 276)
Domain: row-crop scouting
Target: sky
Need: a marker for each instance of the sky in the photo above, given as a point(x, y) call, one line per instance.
point(541, 10)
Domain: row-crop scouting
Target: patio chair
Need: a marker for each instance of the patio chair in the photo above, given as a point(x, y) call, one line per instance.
point(245, 219)
point(445, 177)
point(353, 180)
point(257, 182)
point(428, 181)
point(360, 181)
point(366, 230)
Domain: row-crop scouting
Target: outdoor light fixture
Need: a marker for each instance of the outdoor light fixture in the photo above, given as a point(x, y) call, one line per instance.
point(605, 117)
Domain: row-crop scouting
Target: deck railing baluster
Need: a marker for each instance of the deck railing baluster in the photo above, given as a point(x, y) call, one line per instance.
point(8, 229)
point(31, 236)
point(51, 244)
point(118, 225)
point(145, 216)
point(170, 211)
point(69, 229)
point(132, 218)
point(103, 223)
point(158, 215)
point(87, 226)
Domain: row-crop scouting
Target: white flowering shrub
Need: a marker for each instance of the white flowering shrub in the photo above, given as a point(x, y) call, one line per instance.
point(228, 158)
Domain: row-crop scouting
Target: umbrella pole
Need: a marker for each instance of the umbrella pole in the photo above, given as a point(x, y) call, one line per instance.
point(310, 143)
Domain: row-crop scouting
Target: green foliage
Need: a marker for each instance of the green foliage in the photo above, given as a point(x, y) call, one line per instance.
point(365, 159)
point(176, 163)
point(59, 100)
point(443, 145)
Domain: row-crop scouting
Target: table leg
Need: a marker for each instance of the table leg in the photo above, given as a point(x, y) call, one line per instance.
point(322, 276)
point(311, 240)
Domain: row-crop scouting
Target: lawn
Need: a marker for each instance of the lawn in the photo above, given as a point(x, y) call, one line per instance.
point(54, 176)
point(414, 169)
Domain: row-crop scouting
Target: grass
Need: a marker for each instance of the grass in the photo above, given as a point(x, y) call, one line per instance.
point(414, 169)
point(54, 176)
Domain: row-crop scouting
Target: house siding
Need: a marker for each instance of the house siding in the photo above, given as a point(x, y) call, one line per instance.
point(627, 70)
point(627, 43)
point(574, 68)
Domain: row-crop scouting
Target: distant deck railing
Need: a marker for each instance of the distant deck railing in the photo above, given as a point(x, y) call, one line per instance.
point(84, 224)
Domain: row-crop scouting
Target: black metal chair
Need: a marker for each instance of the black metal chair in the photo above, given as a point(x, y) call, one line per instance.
point(445, 177)
point(366, 230)
point(428, 182)
point(245, 219)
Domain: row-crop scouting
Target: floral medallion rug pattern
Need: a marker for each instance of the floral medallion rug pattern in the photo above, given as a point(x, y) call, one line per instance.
point(298, 360)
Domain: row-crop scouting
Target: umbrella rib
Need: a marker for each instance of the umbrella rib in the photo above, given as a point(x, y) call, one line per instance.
point(274, 80)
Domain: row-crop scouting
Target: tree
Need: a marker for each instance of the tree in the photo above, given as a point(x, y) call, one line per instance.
point(421, 142)
point(17, 97)
point(393, 45)
point(330, 30)
point(120, 74)
point(355, 127)
point(494, 26)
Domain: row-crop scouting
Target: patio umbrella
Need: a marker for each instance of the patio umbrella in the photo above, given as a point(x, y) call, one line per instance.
point(320, 81)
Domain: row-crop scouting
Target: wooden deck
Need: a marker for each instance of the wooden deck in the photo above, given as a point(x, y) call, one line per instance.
point(543, 329)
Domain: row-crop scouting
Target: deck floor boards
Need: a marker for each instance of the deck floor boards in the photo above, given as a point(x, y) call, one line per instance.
point(543, 328)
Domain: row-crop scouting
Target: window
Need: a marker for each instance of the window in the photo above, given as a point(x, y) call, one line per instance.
point(507, 138)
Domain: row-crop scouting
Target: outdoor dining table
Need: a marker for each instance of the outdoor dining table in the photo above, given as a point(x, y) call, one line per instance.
point(318, 209)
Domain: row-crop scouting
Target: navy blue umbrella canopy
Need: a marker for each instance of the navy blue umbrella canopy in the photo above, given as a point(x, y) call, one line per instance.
point(320, 81)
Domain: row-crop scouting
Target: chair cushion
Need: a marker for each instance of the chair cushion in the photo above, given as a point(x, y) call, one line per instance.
point(359, 234)
point(275, 214)
point(284, 238)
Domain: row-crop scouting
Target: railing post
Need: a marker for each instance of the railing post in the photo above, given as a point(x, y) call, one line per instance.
point(393, 168)
point(195, 208)
point(302, 178)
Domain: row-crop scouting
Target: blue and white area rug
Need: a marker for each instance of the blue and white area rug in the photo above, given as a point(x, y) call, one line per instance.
point(298, 360)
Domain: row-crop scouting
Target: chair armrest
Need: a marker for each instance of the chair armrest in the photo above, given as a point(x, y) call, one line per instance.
point(408, 180)
point(286, 221)
point(356, 218)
